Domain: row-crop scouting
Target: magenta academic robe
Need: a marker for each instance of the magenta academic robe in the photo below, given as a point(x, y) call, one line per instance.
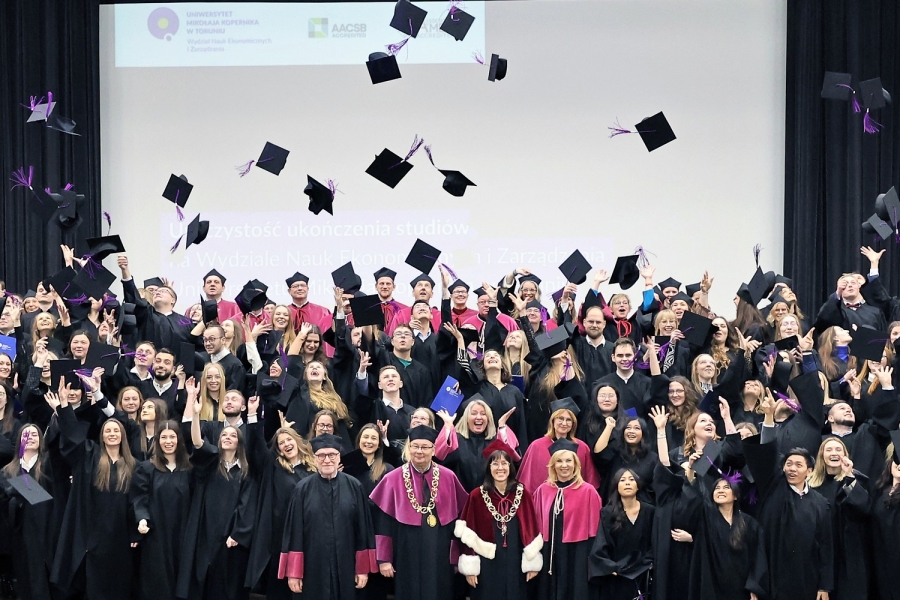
point(403, 316)
point(533, 470)
point(317, 315)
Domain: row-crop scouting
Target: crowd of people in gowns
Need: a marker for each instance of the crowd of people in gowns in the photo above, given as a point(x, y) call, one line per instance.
point(599, 450)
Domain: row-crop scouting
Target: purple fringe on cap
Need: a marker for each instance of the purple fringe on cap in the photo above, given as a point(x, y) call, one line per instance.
point(870, 125)
point(427, 148)
point(618, 130)
point(180, 213)
point(757, 250)
point(417, 143)
point(332, 186)
point(88, 373)
point(752, 497)
point(68, 187)
point(478, 56)
point(454, 7)
point(112, 354)
point(854, 102)
point(642, 260)
point(48, 190)
point(175, 247)
point(20, 179)
point(245, 168)
point(108, 218)
point(794, 406)
point(394, 48)
point(91, 266)
point(77, 299)
point(49, 103)
point(34, 102)
point(184, 320)
point(450, 271)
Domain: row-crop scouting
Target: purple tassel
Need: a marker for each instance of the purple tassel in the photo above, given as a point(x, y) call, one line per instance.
point(88, 373)
point(478, 56)
point(794, 406)
point(430, 157)
point(544, 318)
point(183, 321)
point(33, 103)
point(332, 185)
point(618, 130)
point(245, 168)
point(733, 477)
point(113, 354)
point(68, 186)
point(48, 190)
point(454, 7)
point(752, 497)
point(49, 103)
point(450, 271)
point(393, 49)
point(20, 179)
point(642, 260)
point(417, 143)
point(108, 218)
point(175, 247)
point(180, 213)
point(854, 102)
point(91, 267)
point(870, 125)
point(757, 250)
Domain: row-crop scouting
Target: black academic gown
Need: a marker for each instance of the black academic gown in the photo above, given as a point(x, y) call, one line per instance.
point(221, 507)
point(500, 400)
point(276, 486)
point(595, 361)
point(418, 388)
point(163, 498)
point(719, 571)
point(613, 458)
point(626, 551)
point(631, 393)
point(165, 331)
point(328, 535)
point(885, 528)
point(97, 528)
point(849, 502)
point(797, 529)
point(674, 510)
point(466, 461)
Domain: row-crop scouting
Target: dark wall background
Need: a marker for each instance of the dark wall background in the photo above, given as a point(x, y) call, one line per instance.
point(833, 171)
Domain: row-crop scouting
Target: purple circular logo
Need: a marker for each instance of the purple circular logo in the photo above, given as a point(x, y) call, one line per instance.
point(163, 23)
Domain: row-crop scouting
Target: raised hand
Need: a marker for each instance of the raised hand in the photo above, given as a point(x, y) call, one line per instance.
point(806, 342)
point(518, 303)
point(252, 406)
point(706, 282)
point(505, 417)
point(364, 361)
point(446, 417)
point(660, 417)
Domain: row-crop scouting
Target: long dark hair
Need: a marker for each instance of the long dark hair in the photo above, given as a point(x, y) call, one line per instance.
point(182, 463)
point(885, 484)
point(8, 417)
point(738, 524)
point(624, 449)
point(616, 508)
point(747, 316)
point(13, 468)
point(240, 453)
point(511, 482)
point(124, 468)
point(594, 421)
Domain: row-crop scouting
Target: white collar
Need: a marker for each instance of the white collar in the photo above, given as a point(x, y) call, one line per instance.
point(389, 405)
point(625, 379)
point(136, 372)
point(161, 388)
point(28, 464)
point(802, 492)
point(219, 355)
point(236, 462)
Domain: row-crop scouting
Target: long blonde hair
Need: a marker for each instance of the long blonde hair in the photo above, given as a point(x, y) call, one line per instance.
point(377, 470)
point(819, 473)
point(206, 397)
point(524, 366)
point(326, 397)
point(695, 379)
point(553, 478)
point(307, 458)
point(551, 432)
point(288, 334)
point(35, 332)
point(690, 438)
point(554, 375)
point(125, 466)
point(462, 426)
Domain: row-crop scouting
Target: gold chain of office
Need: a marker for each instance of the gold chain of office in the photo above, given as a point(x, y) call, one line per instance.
point(425, 510)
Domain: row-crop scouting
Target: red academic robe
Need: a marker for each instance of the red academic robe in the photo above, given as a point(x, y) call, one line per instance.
point(316, 315)
point(508, 322)
point(462, 316)
point(583, 501)
point(403, 316)
point(533, 470)
point(229, 310)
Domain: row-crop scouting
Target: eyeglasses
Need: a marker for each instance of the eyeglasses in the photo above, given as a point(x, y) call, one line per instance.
point(211, 339)
point(621, 303)
point(676, 392)
point(328, 456)
point(325, 426)
point(606, 396)
point(298, 286)
point(402, 336)
point(563, 420)
point(421, 448)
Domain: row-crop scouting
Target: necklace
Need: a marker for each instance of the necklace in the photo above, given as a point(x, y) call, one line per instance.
point(503, 519)
point(429, 508)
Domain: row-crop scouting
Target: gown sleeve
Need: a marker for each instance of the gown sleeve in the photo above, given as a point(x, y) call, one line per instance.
point(292, 560)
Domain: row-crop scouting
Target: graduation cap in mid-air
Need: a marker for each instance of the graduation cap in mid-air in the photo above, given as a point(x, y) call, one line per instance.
point(271, 159)
point(625, 272)
point(422, 256)
point(177, 191)
point(575, 268)
point(382, 67)
point(497, 69)
point(321, 197)
point(457, 23)
point(655, 131)
point(455, 182)
point(408, 18)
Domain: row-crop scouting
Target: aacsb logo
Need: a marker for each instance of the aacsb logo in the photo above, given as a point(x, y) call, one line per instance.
point(318, 28)
point(163, 23)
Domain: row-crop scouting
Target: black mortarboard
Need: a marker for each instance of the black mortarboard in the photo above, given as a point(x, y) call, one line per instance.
point(43, 204)
point(868, 344)
point(256, 284)
point(67, 215)
point(101, 247)
point(344, 276)
point(458, 283)
point(563, 444)
point(534, 303)
point(250, 300)
point(63, 367)
point(710, 404)
point(423, 432)
point(565, 403)
point(837, 86)
point(695, 328)
point(470, 334)
point(875, 226)
point(178, 190)
point(383, 67)
point(197, 232)
point(692, 288)
point(214, 273)
point(895, 439)
point(887, 206)
point(95, 282)
point(479, 291)
point(384, 272)
point(408, 18)
point(530, 277)
point(626, 271)
point(102, 355)
point(187, 358)
point(575, 268)
point(298, 276)
point(681, 296)
point(497, 69)
point(320, 197)
point(326, 441)
point(553, 342)
point(655, 131)
point(457, 24)
point(455, 182)
point(422, 256)
point(872, 94)
point(153, 281)
point(788, 343)
point(210, 310)
point(785, 280)
point(59, 280)
point(60, 123)
point(272, 158)
point(29, 489)
point(421, 277)
point(367, 311)
point(669, 283)
point(388, 168)
point(753, 292)
point(711, 451)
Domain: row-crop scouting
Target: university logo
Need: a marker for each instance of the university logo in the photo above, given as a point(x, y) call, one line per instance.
point(163, 23)
point(318, 28)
